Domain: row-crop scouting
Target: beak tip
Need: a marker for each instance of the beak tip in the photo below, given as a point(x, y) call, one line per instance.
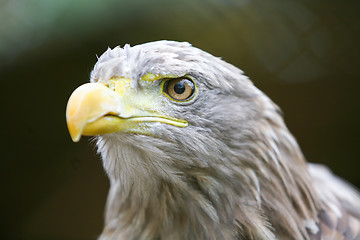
point(75, 138)
point(75, 132)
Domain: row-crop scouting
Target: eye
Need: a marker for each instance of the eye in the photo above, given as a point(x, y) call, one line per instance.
point(181, 89)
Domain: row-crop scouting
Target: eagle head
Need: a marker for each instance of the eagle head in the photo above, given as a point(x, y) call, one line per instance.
point(192, 148)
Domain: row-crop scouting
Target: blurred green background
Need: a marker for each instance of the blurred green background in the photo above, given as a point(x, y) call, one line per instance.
point(304, 54)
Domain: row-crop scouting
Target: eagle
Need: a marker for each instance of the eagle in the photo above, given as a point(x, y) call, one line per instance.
point(194, 151)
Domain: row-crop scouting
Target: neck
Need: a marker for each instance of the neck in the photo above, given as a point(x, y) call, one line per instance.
point(151, 200)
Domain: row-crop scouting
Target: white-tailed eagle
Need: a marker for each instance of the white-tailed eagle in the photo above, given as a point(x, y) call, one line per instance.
point(195, 151)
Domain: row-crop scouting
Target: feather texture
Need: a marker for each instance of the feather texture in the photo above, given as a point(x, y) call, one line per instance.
point(235, 172)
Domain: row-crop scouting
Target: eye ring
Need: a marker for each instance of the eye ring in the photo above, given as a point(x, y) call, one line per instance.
point(179, 89)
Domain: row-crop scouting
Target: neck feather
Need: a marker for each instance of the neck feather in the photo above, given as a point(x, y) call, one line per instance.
point(151, 197)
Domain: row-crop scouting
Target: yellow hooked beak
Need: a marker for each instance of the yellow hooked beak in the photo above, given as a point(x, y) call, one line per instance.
point(112, 106)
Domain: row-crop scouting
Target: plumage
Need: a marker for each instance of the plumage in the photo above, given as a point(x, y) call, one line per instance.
point(233, 171)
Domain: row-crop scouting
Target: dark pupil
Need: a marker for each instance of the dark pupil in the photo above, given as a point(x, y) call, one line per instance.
point(179, 88)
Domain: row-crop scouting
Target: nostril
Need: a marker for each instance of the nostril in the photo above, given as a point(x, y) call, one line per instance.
point(110, 85)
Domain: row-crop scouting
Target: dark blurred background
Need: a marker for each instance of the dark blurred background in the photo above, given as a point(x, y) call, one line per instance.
point(304, 54)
